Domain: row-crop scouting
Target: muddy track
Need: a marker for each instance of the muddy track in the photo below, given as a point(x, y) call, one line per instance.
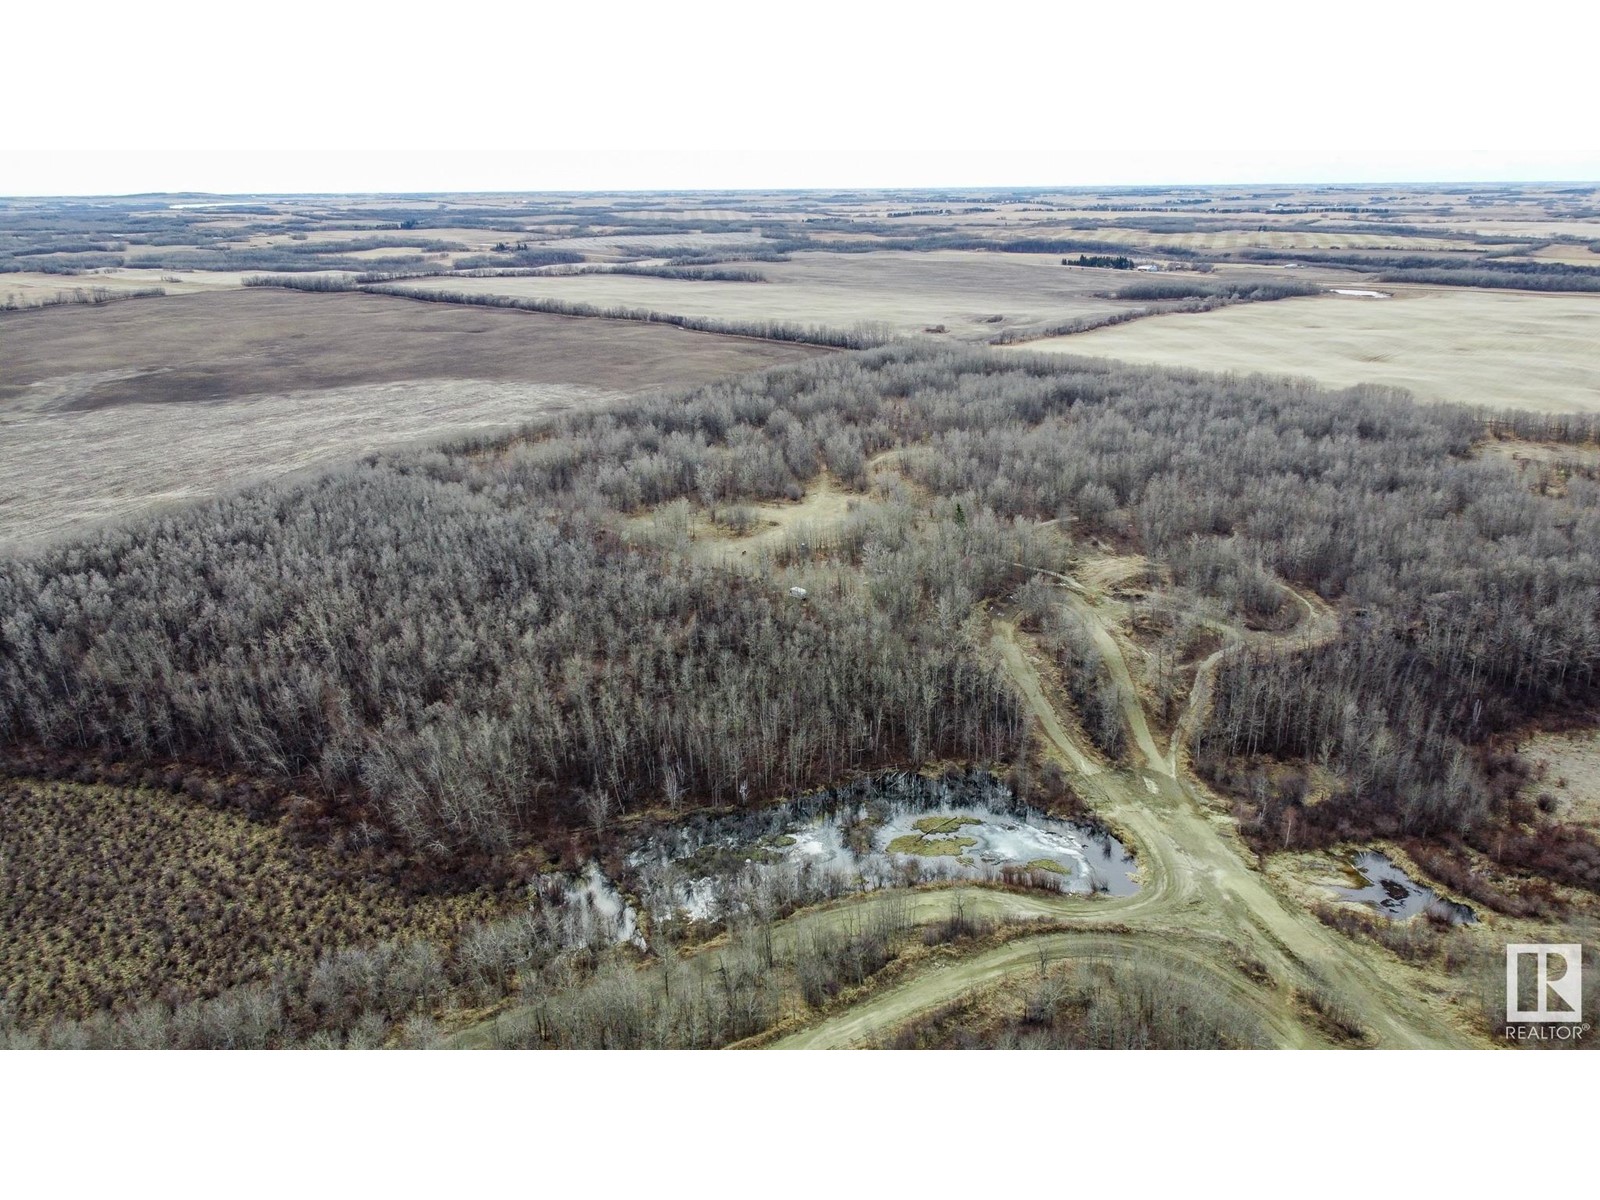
point(1318, 625)
point(878, 1017)
point(1200, 900)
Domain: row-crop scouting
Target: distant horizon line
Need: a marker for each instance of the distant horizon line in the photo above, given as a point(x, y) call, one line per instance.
point(1465, 184)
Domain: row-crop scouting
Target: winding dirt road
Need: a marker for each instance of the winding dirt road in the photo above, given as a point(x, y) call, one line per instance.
point(1201, 905)
point(1200, 901)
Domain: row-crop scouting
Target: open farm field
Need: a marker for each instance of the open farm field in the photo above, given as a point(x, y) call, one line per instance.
point(27, 289)
point(971, 294)
point(105, 411)
point(552, 681)
point(965, 295)
point(1497, 349)
point(1226, 240)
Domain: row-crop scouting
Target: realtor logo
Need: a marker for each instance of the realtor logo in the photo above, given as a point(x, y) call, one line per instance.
point(1557, 972)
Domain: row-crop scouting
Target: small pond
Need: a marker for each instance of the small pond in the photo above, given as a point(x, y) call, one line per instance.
point(891, 830)
point(1395, 894)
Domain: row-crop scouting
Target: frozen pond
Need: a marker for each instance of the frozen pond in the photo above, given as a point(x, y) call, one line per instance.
point(982, 840)
point(895, 830)
point(1367, 292)
point(1394, 893)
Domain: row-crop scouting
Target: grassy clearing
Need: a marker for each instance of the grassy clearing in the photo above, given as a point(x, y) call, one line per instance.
point(1504, 350)
point(940, 825)
point(1565, 776)
point(925, 847)
point(738, 535)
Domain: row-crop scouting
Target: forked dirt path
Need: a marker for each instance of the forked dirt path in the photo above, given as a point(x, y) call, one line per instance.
point(1200, 901)
point(1201, 904)
point(1318, 625)
point(1027, 680)
point(1117, 665)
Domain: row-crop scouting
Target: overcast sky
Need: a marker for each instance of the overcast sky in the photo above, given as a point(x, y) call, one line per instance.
point(297, 96)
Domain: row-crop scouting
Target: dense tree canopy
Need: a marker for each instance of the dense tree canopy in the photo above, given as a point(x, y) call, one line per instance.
point(472, 641)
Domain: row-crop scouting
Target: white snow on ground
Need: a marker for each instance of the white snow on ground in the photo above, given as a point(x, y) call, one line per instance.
point(1002, 841)
point(609, 906)
point(819, 843)
point(761, 862)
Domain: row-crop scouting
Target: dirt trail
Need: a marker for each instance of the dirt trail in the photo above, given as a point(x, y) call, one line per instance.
point(824, 505)
point(1117, 664)
point(1200, 901)
point(920, 907)
point(1012, 654)
point(882, 1014)
point(1318, 626)
point(1187, 839)
point(1199, 893)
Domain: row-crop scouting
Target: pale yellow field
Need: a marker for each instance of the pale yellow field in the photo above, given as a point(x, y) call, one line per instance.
point(29, 288)
point(1567, 767)
point(1274, 239)
point(1580, 256)
point(1520, 228)
point(480, 239)
point(958, 289)
point(109, 412)
point(1503, 349)
point(605, 246)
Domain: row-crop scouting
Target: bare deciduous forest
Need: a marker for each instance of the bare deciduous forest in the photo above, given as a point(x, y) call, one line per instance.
point(461, 642)
point(389, 730)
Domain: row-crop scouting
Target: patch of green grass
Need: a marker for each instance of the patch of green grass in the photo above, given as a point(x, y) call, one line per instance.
point(1048, 864)
point(944, 824)
point(778, 841)
point(725, 860)
point(915, 843)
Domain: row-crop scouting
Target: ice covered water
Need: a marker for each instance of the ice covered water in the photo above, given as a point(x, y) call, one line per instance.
point(1394, 893)
point(892, 830)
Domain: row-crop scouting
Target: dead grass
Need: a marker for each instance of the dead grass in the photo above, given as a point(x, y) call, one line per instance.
point(960, 290)
point(765, 527)
point(243, 386)
point(110, 896)
point(1565, 776)
point(1504, 349)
